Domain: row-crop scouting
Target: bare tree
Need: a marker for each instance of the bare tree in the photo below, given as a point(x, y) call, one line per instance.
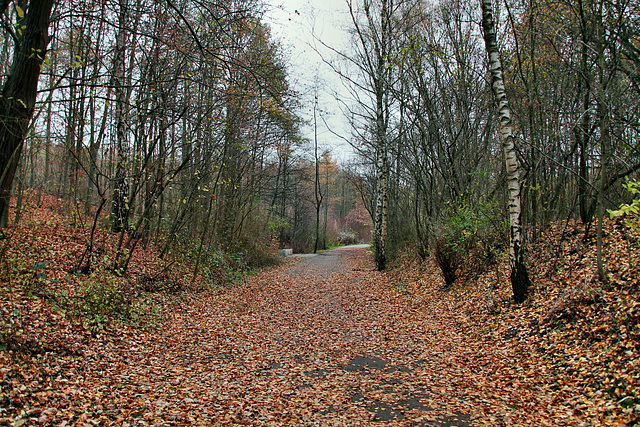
point(318, 194)
point(373, 32)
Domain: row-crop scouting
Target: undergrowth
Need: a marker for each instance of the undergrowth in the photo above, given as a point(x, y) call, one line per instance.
point(39, 273)
point(469, 239)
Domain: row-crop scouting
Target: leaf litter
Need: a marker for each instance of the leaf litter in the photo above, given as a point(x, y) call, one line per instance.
point(302, 345)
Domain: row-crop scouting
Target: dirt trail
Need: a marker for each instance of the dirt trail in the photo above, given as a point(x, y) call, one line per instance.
point(325, 342)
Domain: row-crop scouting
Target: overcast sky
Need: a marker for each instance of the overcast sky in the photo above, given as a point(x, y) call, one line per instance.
point(295, 23)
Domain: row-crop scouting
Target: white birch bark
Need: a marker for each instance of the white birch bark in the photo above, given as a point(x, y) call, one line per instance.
point(381, 75)
point(381, 207)
point(374, 33)
point(519, 276)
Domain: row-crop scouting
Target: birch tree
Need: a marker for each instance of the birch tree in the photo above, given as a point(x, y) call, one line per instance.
point(519, 276)
point(373, 28)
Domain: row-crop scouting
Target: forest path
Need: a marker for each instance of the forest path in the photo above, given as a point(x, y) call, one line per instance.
point(324, 342)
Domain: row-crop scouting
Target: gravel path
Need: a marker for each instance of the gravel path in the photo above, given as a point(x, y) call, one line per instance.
point(326, 263)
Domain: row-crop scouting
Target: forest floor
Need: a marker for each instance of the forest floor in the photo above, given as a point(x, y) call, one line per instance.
point(325, 340)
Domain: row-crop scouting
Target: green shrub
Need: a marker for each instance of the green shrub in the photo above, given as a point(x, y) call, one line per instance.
point(105, 301)
point(631, 211)
point(471, 236)
point(102, 297)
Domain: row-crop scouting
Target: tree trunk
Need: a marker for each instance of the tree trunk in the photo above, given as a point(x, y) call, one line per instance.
point(17, 102)
point(519, 276)
point(47, 142)
point(382, 50)
point(381, 207)
point(317, 189)
point(120, 208)
point(604, 121)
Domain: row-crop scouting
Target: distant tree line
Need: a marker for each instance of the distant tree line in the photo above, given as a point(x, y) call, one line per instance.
point(171, 122)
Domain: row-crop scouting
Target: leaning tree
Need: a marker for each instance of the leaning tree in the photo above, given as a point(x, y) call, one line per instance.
point(18, 98)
